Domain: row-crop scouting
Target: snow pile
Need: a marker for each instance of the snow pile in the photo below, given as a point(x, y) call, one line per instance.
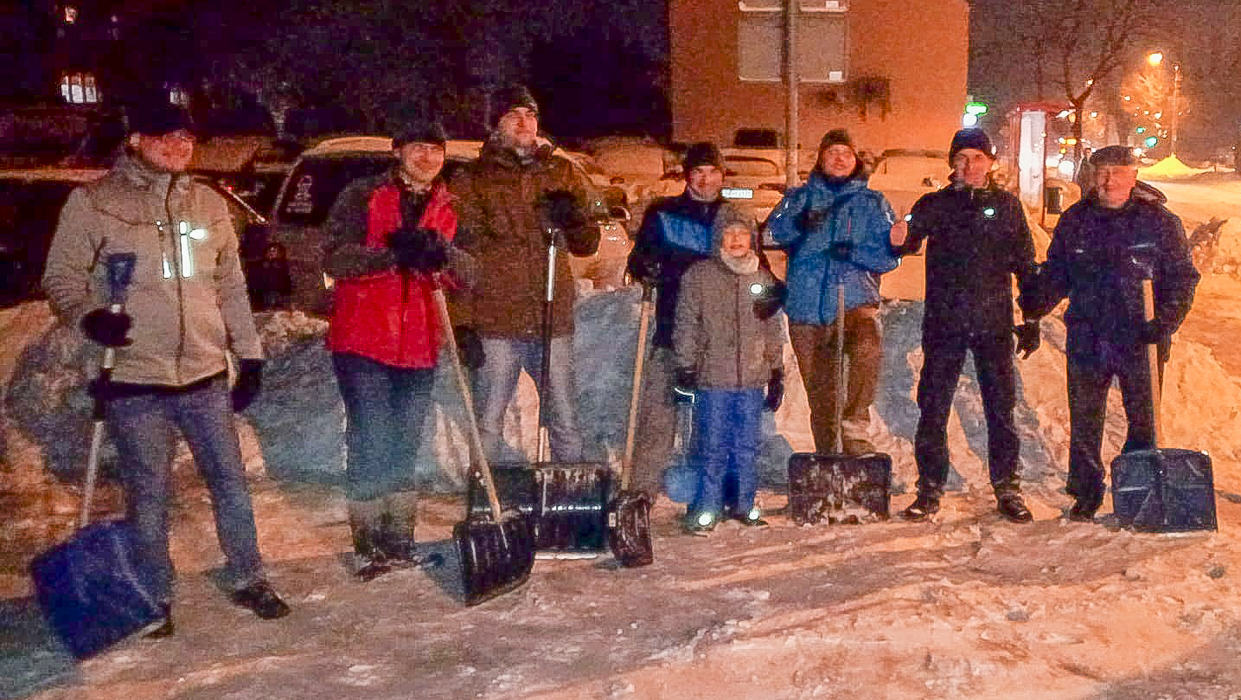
point(1170, 168)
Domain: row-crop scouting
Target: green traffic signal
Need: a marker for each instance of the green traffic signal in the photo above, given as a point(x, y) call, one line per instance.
point(1151, 141)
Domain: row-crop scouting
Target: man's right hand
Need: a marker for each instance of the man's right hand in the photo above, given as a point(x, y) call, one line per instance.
point(107, 327)
point(684, 384)
point(469, 347)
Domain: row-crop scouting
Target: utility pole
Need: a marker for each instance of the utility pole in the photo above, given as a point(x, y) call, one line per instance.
point(1176, 108)
point(791, 80)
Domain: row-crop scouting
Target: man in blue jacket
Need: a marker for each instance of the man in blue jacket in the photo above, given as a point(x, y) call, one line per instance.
point(1104, 246)
point(836, 230)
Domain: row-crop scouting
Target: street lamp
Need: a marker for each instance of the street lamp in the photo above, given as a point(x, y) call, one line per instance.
point(1156, 59)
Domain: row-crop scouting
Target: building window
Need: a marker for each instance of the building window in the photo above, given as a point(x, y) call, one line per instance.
point(821, 40)
point(79, 88)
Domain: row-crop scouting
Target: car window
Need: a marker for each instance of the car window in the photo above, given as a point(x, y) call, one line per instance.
point(314, 184)
point(751, 167)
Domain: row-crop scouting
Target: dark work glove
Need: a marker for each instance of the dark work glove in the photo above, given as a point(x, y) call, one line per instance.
point(469, 347)
point(560, 211)
point(107, 327)
point(770, 299)
point(1153, 332)
point(684, 384)
point(841, 251)
point(811, 219)
point(646, 269)
point(249, 383)
point(775, 391)
point(418, 249)
point(1029, 338)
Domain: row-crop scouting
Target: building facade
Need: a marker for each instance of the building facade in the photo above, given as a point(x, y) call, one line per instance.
point(893, 72)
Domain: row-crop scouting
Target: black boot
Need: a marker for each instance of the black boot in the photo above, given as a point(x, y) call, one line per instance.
point(1013, 508)
point(365, 524)
point(923, 507)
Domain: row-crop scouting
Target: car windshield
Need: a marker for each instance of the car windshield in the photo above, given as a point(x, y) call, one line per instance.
point(316, 182)
point(751, 167)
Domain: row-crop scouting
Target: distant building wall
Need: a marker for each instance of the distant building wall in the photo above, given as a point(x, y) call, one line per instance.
point(920, 47)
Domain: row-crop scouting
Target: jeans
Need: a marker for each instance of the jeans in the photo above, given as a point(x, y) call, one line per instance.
point(728, 431)
point(385, 408)
point(141, 426)
point(943, 358)
point(497, 382)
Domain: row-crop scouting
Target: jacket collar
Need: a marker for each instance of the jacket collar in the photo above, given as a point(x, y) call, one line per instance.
point(136, 173)
point(494, 152)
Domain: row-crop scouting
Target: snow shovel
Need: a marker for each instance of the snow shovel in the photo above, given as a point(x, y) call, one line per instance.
point(568, 502)
point(1162, 489)
point(837, 487)
point(91, 588)
point(629, 515)
point(496, 546)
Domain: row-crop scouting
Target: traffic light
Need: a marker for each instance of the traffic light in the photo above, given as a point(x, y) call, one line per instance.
point(1140, 130)
point(1151, 141)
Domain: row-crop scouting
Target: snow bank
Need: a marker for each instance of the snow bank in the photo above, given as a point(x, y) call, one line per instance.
point(1170, 168)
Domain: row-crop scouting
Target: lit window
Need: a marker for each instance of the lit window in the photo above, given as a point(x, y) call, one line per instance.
point(78, 88)
point(71, 14)
point(821, 40)
point(76, 95)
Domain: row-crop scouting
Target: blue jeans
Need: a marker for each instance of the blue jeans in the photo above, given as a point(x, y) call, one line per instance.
point(728, 430)
point(141, 426)
point(497, 382)
point(385, 408)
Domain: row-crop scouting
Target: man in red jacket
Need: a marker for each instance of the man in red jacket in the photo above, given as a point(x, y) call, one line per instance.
point(390, 245)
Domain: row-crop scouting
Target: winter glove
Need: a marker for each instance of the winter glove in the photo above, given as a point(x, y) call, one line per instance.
point(1153, 332)
point(560, 211)
point(770, 300)
point(810, 220)
point(107, 327)
point(418, 249)
point(841, 251)
point(645, 269)
point(469, 347)
point(684, 384)
point(249, 383)
point(775, 391)
point(1028, 338)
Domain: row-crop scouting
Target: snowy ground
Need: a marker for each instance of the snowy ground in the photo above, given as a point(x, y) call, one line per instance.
point(965, 607)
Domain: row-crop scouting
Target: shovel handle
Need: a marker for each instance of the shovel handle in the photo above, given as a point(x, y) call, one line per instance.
point(1152, 356)
point(631, 428)
point(840, 363)
point(467, 397)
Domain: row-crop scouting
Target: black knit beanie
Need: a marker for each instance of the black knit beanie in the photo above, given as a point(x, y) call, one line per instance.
point(837, 137)
point(971, 138)
point(420, 131)
point(512, 97)
point(157, 117)
point(702, 153)
point(1113, 155)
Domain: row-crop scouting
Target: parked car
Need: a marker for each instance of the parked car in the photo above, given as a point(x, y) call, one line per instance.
point(30, 204)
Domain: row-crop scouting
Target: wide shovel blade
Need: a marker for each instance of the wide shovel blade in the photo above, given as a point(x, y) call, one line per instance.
point(496, 557)
point(629, 517)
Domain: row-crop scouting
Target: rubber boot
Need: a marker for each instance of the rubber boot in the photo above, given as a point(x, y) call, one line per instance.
point(397, 540)
point(365, 523)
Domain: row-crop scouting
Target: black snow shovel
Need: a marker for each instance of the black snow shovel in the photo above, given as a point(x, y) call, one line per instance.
point(568, 502)
point(92, 587)
point(496, 546)
point(1162, 489)
point(629, 514)
point(837, 487)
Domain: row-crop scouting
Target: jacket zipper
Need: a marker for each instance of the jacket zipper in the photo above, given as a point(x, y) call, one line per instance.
point(178, 274)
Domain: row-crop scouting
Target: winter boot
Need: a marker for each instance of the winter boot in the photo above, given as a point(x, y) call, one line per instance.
point(923, 507)
point(397, 532)
point(365, 523)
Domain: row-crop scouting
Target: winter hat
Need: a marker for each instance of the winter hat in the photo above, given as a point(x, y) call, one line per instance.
point(731, 215)
point(1113, 155)
point(702, 153)
point(420, 131)
point(971, 138)
point(512, 97)
point(156, 117)
point(837, 137)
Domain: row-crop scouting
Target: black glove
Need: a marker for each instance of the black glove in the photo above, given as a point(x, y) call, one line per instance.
point(770, 300)
point(469, 347)
point(684, 385)
point(249, 383)
point(107, 327)
point(841, 251)
point(418, 249)
point(810, 220)
point(1153, 332)
point(775, 391)
point(645, 268)
point(1029, 338)
point(560, 211)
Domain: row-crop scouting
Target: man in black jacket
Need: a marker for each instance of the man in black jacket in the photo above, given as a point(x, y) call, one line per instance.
point(675, 233)
point(1103, 247)
point(978, 238)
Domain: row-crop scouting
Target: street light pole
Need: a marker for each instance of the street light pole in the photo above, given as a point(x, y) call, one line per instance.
point(1176, 108)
